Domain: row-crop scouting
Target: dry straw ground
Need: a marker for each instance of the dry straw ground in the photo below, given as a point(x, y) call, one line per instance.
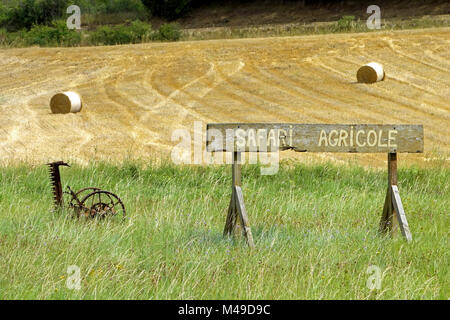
point(135, 95)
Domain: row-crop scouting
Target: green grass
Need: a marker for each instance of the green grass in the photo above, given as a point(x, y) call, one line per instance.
point(315, 229)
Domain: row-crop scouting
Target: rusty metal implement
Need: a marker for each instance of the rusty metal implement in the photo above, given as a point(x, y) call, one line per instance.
point(90, 202)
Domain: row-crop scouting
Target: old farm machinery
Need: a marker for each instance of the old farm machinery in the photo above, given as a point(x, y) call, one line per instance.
point(89, 202)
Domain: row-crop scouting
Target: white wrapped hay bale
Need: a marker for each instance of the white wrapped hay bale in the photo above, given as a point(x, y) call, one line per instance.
point(370, 73)
point(66, 102)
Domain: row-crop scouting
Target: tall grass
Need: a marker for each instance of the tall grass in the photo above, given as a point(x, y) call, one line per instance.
point(315, 229)
point(347, 24)
point(108, 32)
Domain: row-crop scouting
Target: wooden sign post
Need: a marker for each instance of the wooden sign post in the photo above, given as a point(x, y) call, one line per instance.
point(237, 219)
point(354, 138)
point(393, 215)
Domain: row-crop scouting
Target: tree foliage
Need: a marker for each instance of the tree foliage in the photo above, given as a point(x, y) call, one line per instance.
point(20, 14)
point(26, 13)
point(170, 9)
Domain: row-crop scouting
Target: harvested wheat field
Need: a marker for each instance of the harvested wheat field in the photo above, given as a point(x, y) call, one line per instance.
point(135, 96)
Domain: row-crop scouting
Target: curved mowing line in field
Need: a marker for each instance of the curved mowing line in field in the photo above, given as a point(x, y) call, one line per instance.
point(136, 95)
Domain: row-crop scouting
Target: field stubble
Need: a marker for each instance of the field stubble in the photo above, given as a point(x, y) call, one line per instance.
point(135, 96)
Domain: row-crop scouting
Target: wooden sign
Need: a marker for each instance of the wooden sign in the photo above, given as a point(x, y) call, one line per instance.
point(271, 137)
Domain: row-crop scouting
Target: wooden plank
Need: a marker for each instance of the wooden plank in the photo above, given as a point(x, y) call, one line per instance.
point(392, 180)
point(232, 224)
point(401, 217)
point(385, 224)
point(243, 216)
point(236, 181)
point(236, 169)
point(392, 169)
point(229, 222)
point(362, 138)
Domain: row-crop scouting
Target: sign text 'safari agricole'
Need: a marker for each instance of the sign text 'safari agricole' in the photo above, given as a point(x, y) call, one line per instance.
point(271, 137)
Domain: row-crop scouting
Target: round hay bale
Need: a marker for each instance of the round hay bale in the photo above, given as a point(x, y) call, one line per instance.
point(370, 73)
point(66, 102)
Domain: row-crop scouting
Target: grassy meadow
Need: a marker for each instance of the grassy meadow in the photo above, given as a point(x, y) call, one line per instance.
point(315, 229)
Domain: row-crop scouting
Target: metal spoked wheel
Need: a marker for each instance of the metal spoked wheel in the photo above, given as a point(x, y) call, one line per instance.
point(100, 204)
point(80, 194)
